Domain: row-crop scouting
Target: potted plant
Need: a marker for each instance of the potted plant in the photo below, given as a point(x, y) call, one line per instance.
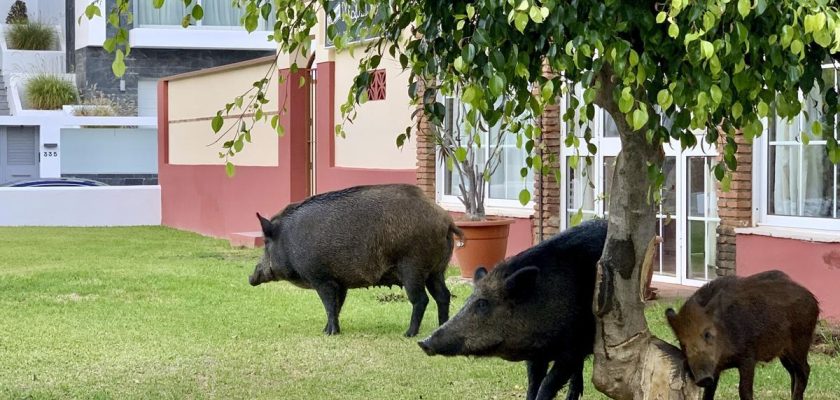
point(460, 142)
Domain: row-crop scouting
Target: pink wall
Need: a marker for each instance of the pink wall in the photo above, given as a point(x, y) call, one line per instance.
point(814, 265)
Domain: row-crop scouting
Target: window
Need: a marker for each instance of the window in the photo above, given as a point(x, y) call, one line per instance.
point(506, 181)
point(801, 185)
point(217, 13)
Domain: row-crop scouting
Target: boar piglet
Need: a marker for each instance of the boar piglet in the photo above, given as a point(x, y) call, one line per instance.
point(534, 307)
point(735, 322)
point(360, 237)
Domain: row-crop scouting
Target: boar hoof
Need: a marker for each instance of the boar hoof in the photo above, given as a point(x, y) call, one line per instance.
point(411, 332)
point(330, 330)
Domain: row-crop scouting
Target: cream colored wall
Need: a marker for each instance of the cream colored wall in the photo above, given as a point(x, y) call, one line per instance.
point(194, 100)
point(371, 138)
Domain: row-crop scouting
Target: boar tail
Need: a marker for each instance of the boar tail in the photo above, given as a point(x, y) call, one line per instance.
point(454, 230)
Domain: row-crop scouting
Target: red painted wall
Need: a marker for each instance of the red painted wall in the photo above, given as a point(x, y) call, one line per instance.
point(812, 264)
point(328, 176)
point(203, 199)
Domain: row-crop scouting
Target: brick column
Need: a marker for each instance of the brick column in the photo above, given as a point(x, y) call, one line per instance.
point(425, 151)
point(734, 206)
point(549, 195)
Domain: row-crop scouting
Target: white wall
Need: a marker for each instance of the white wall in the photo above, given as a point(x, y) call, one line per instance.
point(82, 206)
point(108, 151)
point(88, 32)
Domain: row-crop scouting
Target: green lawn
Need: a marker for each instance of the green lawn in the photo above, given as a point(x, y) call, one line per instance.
point(156, 313)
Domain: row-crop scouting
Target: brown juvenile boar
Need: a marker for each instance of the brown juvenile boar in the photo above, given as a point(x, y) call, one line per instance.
point(737, 322)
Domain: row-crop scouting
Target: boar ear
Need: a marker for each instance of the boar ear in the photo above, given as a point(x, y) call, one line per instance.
point(522, 280)
point(266, 226)
point(479, 273)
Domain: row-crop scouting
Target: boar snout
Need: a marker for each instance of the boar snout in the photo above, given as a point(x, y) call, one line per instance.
point(444, 345)
point(706, 381)
point(253, 280)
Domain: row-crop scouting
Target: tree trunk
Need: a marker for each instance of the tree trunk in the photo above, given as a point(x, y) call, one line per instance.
point(630, 363)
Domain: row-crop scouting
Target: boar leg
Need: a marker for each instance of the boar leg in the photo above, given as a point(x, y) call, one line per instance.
point(799, 370)
point(575, 385)
point(437, 287)
point(560, 373)
point(536, 373)
point(419, 300)
point(745, 386)
point(332, 295)
point(709, 391)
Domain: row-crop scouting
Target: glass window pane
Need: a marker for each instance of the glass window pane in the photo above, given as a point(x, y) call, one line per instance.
point(580, 192)
point(665, 258)
point(696, 186)
point(696, 249)
point(784, 166)
point(170, 13)
point(220, 13)
point(669, 188)
point(784, 130)
point(609, 168)
point(610, 129)
point(506, 182)
point(817, 181)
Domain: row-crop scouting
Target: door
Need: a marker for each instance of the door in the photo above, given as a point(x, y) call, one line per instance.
point(19, 148)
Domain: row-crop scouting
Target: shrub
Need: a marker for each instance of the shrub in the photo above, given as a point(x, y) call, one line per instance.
point(31, 36)
point(50, 92)
point(17, 14)
point(98, 104)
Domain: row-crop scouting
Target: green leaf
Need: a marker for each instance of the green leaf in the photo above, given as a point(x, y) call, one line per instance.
point(640, 118)
point(401, 140)
point(274, 120)
point(660, 18)
point(589, 95)
point(524, 196)
point(460, 154)
point(576, 218)
point(716, 93)
point(816, 129)
point(707, 48)
point(230, 169)
point(763, 109)
point(217, 122)
point(158, 3)
point(548, 90)
point(470, 11)
point(664, 99)
point(118, 66)
point(625, 102)
point(109, 45)
point(471, 94)
point(796, 46)
point(673, 30)
point(238, 145)
point(737, 110)
point(535, 14)
point(521, 21)
point(744, 8)
point(197, 12)
point(251, 21)
point(497, 85)
point(92, 10)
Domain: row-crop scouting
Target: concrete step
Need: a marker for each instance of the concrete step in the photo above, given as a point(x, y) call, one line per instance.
point(246, 239)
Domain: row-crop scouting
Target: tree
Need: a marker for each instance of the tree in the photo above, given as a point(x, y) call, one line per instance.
point(717, 65)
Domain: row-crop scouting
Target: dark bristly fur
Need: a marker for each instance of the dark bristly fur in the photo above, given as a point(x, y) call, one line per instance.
point(360, 237)
point(736, 322)
point(534, 307)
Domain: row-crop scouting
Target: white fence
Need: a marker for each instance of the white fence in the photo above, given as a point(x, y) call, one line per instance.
point(109, 151)
point(80, 206)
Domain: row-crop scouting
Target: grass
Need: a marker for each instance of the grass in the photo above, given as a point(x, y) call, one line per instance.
point(50, 92)
point(124, 313)
point(31, 35)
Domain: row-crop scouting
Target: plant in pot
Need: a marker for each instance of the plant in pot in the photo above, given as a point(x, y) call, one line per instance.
point(460, 136)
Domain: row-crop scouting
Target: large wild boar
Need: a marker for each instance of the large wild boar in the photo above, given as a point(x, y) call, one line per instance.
point(534, 307)
point(360, 237)
point(736, 322)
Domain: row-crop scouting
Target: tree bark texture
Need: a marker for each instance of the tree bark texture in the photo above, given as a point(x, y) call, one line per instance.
point(630, 363)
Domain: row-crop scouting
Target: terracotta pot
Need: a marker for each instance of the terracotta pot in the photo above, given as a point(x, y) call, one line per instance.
point(485, 244)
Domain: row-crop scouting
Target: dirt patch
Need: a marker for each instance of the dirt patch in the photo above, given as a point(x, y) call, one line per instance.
point(75, 298)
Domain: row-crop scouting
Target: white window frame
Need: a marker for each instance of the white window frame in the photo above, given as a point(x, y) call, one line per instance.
point(492, 206)
point(610, 147)
point(199, 24)
point(761, 187)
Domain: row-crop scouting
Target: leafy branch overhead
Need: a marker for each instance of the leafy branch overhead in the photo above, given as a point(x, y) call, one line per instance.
point(721, 66)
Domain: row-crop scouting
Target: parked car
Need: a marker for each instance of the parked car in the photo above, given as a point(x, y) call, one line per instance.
point(54, 182)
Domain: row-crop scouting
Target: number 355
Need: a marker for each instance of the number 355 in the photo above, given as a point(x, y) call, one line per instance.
point(50, 154)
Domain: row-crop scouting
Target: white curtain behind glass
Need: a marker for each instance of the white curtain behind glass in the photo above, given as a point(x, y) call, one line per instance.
point(170, 14)
point(220, 13)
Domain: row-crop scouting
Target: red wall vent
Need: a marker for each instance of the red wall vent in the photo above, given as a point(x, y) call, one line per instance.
point(376, 89)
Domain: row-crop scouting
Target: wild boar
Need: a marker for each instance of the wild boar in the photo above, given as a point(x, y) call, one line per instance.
point(534, 307)
point(734, 322)
point(360, 237)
